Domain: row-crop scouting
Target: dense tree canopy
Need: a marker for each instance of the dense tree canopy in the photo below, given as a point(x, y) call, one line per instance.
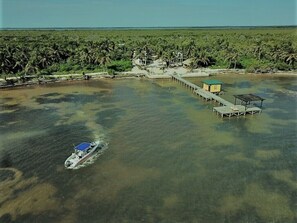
point(51, 51)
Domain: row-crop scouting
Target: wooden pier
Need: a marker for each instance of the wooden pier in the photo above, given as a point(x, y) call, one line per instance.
point(226, 108)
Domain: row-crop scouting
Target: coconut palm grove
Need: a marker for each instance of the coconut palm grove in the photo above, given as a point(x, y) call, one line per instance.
point(47, 52)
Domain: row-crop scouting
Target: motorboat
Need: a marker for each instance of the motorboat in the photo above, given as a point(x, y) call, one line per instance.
point(83, 152)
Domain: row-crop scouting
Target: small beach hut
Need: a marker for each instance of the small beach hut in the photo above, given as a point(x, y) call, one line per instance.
point(213, 86)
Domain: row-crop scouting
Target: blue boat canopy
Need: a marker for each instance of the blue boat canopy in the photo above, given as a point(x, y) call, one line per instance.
point(83, 146)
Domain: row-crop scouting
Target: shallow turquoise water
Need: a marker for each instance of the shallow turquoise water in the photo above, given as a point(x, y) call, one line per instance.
point(170, 158)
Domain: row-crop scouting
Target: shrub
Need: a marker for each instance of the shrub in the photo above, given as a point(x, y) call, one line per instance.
point(253, 65)
point(120, 65)
point(281, 66)
point(76, 67)
point(65, 67)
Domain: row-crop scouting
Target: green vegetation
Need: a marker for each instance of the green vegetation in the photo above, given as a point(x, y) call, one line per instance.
point(45, 52)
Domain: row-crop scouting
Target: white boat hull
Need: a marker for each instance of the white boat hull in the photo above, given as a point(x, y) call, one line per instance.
point(75, 160)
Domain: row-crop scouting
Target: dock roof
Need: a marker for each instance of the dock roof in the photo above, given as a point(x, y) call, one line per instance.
point(249, 97)
point(212, 82)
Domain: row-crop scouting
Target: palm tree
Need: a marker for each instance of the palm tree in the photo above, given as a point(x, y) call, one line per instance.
point(233, 59)
point(169, 57)
point(31, 68)
point(107, 45)
point(258, 52)
point(44, 59)
point(166, 58)
point(290, 58)
point(189, 48)
point(104, 58)
point(20, 59)
point(85, 56)
point(274, 52)
point(6, 58)
point(59, 53)
point(201, 59)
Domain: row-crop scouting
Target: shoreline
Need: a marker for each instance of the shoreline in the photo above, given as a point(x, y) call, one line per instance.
point(134, 73)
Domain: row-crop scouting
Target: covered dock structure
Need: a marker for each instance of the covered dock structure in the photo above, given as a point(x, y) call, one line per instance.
point(246, 99)
point(226, 108)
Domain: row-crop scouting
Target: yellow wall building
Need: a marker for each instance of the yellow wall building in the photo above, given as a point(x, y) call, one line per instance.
point(213, 86)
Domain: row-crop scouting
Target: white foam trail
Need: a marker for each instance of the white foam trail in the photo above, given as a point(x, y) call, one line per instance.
point(93, 158)
point(97, 131)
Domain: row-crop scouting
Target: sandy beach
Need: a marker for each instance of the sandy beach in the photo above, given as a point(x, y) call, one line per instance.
point(151, 72)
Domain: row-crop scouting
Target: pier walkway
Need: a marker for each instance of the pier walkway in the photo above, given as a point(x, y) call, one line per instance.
point(226, 108)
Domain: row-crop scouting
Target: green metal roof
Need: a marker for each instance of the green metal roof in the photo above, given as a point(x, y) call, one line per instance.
point(212, 82)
